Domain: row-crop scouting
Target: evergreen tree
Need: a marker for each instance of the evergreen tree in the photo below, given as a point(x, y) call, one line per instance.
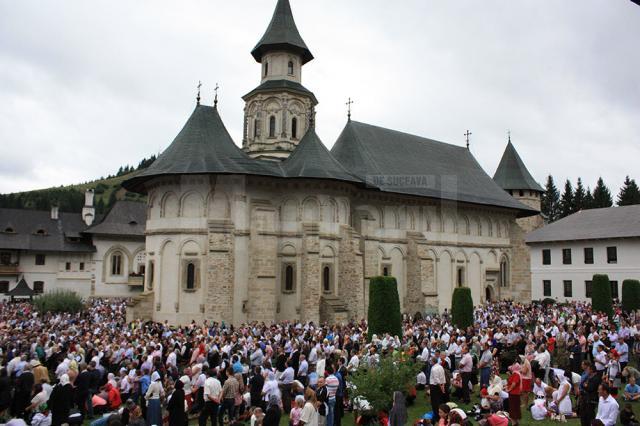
point(579, 196)
point(112, 199)
point(550, 201)
point(100, 206)
point(629, 193)
point(566, 202)
point(588, 199)
point(601, 195)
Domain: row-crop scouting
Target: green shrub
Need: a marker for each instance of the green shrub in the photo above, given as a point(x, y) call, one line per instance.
point(548, 301)
point(384, 307)
point(462, 307)
point(601, 294)
point(59, 301)
point(630, 295)
point(377, 384)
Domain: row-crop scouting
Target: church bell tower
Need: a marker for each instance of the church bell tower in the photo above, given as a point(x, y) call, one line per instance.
point(279, 111)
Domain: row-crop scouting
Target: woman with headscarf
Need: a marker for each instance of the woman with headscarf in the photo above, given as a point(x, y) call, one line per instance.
point(562, 396)
point(273, 414)
point(176, 406)
point(270, 387)
point(514, 388)
point(153, 395)
point(398, 413)
point(60, 401)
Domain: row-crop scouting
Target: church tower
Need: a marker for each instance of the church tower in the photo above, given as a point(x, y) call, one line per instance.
point(279, 111)
point(512, 175)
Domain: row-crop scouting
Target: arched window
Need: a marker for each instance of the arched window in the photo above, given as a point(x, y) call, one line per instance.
point(272, 127)
point(256, 128)
point(191, 276)
point(504, 273)
point(294, 127)
point(150, 276)
point(266, 68)
point(460, 277)
point(9, 230)
point(290, 68)
point(288, 278)
point(326, 279)
point(116, 263)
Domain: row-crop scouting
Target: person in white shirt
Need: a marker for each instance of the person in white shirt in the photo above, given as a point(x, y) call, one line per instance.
point(437, 382)
point(608, 408)
point(421, 381)
point(212, 395)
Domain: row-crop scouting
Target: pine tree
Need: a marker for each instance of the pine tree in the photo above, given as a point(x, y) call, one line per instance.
point(601, 195)
point(550, 201)
point(566, 202)
point(579, 196)
point(629, 193)
point(588, 199)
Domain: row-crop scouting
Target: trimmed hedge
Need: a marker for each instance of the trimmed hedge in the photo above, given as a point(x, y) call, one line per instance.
point(59, 301)
point(384, 307)
point(462, 307)
point(630, 295)
point(601, 294)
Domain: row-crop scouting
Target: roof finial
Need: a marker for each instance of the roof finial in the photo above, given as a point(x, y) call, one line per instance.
point(509, 135)
point(348, 104)
point(467, 134)
point(198, 96)
point(215, 99)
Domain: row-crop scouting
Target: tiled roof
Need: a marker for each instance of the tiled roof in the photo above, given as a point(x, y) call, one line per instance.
point(593, 224)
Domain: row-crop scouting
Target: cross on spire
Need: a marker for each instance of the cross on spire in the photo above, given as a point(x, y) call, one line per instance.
point(348, 104)
point(198, 96)
point(215, 99)
point(509, 135)
point(467, 134)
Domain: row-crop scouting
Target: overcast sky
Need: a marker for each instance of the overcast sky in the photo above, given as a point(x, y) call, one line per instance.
point(88, 86)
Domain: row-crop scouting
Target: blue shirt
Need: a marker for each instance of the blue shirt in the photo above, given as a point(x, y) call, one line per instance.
point(632, 389)
point(145, 381)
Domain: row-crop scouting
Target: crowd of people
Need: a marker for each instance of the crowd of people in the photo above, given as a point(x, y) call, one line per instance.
point(559, 361)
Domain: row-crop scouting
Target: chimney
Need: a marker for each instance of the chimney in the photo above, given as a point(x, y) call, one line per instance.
point(54, 212)
point(88, 211)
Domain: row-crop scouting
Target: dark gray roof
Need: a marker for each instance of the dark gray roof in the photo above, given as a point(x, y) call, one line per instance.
point(203, 146)
point(282, 34)
point(379, 158)
point(311, 159)
point(55, 235)
point(594, 224)
point(512, 173)
point(22, 289)
point(402, 163)
point(126, 218)
point(280, 85)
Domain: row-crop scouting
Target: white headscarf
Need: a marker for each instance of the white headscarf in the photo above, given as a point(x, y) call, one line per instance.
point(155, 376)
point(64, 379)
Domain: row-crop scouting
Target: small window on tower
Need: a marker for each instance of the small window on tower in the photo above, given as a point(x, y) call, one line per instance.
point(256, 128)
point(290, 68)
point(521, 193)
point(294, 128)
point(272, 127)
point(266, 68)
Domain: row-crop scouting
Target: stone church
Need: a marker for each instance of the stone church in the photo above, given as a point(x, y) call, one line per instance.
point(285, 229)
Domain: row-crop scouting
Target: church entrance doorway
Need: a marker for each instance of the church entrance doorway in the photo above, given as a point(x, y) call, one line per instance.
point(488, 294)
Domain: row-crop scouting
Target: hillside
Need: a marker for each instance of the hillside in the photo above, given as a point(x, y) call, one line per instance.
point(70, 198)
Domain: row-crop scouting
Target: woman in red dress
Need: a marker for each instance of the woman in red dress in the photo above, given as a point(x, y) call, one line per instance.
point(514, 388)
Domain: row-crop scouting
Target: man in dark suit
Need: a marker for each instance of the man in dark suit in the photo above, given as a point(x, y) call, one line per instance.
point(589, 395)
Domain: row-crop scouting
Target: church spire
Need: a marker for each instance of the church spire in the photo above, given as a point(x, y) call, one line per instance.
point(512, 174)
point(282, 34)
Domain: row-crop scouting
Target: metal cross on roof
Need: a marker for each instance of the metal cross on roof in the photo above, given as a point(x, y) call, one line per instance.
point(467, 134)
point(215, 99)
point(509, 135)
point(198, 97)
point(348, 104)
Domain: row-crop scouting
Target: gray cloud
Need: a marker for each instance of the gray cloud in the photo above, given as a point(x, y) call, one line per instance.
point(88, 86)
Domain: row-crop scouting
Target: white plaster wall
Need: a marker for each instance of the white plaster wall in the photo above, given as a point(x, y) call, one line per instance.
point(627, 267)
